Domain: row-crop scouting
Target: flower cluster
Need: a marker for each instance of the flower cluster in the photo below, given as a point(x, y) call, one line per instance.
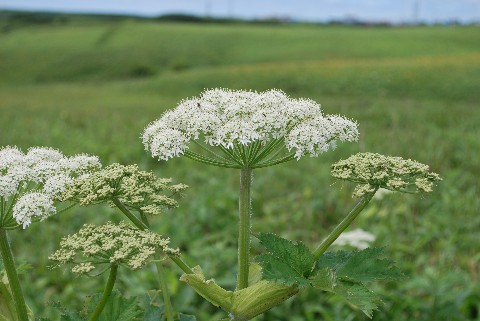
point(357, 238)
point(109, 243)
point(31, 182)
point(231, 119)
point(136, 189)
point(372, 171)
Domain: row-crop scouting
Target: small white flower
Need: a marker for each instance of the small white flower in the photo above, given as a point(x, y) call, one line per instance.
point(36, 155)
point(56, 185)
point(10, 155)
point(80, 164)
point(33, 205)
point(357, 238)
point(240, 119)
point(8, 186)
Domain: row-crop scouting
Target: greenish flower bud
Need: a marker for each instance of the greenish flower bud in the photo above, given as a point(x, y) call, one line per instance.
point(107, 244)
point(138, 190)
point(372, 171)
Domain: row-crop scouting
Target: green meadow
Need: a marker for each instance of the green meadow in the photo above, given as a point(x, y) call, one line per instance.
point(92, 86)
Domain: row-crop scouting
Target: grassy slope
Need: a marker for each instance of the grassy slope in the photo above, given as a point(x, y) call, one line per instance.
point(414, 91)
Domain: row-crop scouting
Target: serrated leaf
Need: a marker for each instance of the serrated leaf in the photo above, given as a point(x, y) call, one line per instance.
point(187, 317)
point(325, 280)
point(333, 260)
point(362, 266)
point(152, 306)
point(153, 313)
point(343, 273)
point(359, 296)
point(67, 314)
point(295, 254)
point(117, 308)
point(287, 262)
point(276, 270)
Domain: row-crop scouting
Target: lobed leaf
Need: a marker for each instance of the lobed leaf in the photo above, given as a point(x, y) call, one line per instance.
point(286, 262)
point(361, 266)
point(118, 308)
point(343, 274)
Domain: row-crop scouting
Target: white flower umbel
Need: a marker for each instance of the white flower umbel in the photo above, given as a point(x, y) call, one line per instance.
point(31, 205)
point(246, 129)
point(357, 238)
point(30, 183)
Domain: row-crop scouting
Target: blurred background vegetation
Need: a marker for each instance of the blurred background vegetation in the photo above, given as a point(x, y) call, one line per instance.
point(90, 85)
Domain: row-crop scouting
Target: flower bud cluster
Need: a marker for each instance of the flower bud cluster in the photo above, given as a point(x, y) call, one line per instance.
point(109, 243)
point(31, 182)
point(136, 189)
point(228, 118)
point(372, 171)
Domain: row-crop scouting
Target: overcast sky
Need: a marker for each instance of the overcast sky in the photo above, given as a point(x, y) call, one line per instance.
point(311, 10)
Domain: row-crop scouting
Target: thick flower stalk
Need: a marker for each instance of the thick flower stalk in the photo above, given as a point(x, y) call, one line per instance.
point(121, 244)
point(246, 129)
point(373, 171)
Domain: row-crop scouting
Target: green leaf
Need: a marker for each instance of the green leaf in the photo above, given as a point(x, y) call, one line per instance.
point(117, 308)
point(67, 314)
point(71, 316)
point(153, 313)
point(187, 317)
point(286, 262)
point(362, 266)
point(152, 305)
point(359, 296)
point(343, 274)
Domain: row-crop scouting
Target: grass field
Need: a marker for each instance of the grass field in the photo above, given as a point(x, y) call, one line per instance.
point(92, 87)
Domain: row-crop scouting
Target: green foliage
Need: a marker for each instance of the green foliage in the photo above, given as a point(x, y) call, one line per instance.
point(286, 262)
point(362, 266)
point(343, 273)
point(118, 308)
point(186, 317)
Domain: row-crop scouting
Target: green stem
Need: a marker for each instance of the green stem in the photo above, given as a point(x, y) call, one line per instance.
point(161, 278)
point(244, 227)
point(106, 293)
point(166, 295)
point(129, 214)
point(7, 298)
point(343, 224)
point(12, 275)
